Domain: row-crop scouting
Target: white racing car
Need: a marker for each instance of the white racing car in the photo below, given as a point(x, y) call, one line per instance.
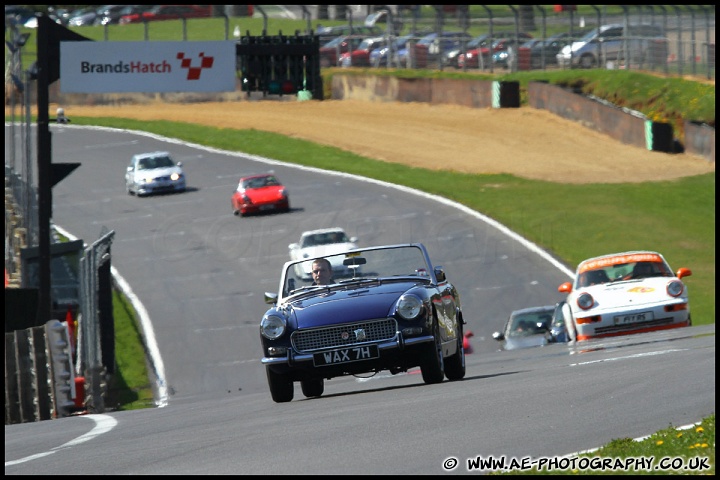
point(625, 293)
point(318, 243)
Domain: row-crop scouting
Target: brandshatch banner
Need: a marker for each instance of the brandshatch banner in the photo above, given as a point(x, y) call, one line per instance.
point(147, 67)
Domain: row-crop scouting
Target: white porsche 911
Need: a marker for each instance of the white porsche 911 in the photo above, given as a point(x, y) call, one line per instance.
point(318, 243)
point(625, 293)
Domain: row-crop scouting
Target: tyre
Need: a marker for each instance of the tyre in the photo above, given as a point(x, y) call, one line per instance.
point(312, 387)
point(432, 367)
point(455, 365)
point(281, 387)
point(587, 61)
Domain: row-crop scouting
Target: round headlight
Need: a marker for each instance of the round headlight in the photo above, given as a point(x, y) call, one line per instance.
point(675, 288)
point(409, 307)
point(585, 301)
point(272, 327)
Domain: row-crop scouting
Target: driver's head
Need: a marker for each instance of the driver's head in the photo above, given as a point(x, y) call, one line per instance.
point(322, 271)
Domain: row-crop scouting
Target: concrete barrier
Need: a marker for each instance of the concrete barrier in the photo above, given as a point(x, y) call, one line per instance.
point(700, 139)
point(625, 125)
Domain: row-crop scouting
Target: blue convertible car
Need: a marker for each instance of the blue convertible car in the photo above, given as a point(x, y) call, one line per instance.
point(391, 309)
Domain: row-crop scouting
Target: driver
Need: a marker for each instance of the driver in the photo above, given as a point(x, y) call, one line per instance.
point(322, 272)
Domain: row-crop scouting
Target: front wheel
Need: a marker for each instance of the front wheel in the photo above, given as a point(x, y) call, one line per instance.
point(432, 367)
point(587, 61)
point(312, 387)
point(455, 365)
point(281, 387)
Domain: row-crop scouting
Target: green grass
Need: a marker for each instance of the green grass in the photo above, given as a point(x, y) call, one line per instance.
point(693, 448)
point(130, 387)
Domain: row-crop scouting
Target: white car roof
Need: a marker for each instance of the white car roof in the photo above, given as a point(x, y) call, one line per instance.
point(152, 154)
point(322, 230)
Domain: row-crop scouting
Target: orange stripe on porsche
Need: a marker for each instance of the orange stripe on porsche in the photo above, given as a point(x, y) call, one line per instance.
point(617, 260)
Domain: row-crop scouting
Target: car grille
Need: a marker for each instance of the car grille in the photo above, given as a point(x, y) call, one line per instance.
point(343, 335)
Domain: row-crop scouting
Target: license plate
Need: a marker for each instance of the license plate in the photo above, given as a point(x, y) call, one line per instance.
point(345, 355)
point(267, 207)
point(633, 318)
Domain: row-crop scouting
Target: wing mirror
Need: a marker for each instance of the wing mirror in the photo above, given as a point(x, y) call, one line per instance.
point(440, 274)
point(271, 298)
point(683, 272)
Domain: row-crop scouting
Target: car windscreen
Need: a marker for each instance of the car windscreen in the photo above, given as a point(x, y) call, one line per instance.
point(397, 261)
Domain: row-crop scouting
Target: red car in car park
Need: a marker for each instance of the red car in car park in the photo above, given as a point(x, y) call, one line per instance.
point(471, 58)
point(258, 194)
point(360, 57)
point(168, 12)
point(330, 52)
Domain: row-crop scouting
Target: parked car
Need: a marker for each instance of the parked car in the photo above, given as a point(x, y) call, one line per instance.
point(111, 14)
point(318, 243)
point(59, 15)
point(625, 293)
point(360, 57)
point(168, 12)
point(326, 34)
point(484, 40)
point(429, 49)
point(331, 51)
point(396, 312)
point(526, 327)
point(543, 52)
point(259, 193)
point(83, 17)
point(19, 15)
point(506, 48)
point(154, 172)
point(471, 58)
point(379, 56)
point(642, 42)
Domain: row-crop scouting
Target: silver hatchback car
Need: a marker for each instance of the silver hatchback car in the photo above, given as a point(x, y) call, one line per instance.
point(154, 172)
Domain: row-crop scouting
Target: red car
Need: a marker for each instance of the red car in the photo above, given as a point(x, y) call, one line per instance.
point(331, 51)
point(260, 193)
point(470, 59)
point(168, 12)
point(360, 57)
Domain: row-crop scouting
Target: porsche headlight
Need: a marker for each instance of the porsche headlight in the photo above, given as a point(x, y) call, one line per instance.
point(675, 288)
point(409, 307)
point(585, 301)
point(272, 327)
point(175, 176)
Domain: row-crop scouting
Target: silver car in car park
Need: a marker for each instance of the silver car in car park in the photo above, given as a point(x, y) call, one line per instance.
point(610, 43)
point(154, 172)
